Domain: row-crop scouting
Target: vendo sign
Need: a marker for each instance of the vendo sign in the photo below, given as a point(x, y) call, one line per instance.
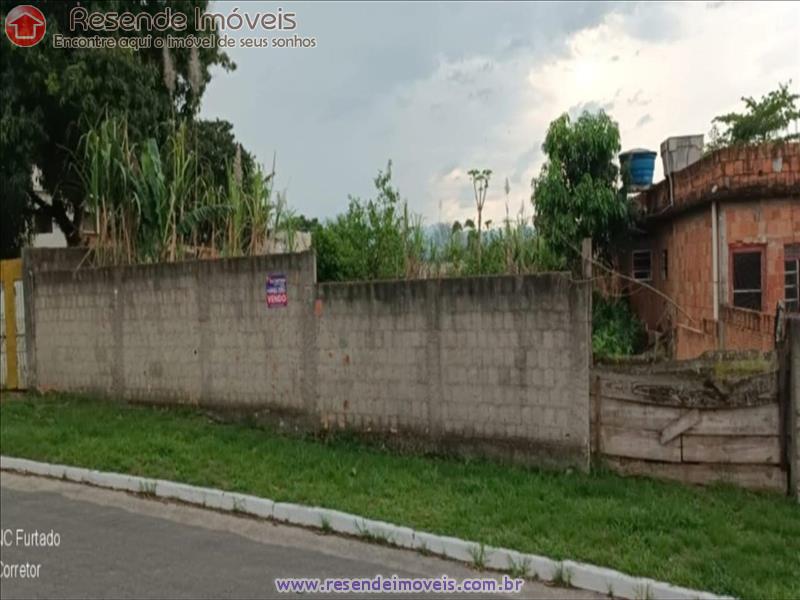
point(277, 294)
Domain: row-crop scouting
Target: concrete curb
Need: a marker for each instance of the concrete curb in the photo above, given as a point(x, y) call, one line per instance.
point(578, 575)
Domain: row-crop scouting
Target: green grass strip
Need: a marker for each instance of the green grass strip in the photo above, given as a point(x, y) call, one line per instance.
point(719, 539)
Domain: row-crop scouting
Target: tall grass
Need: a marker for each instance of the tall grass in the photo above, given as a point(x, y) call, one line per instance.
point(380, 238)
point(155, 204)
point(513, 247)
point(107, 156)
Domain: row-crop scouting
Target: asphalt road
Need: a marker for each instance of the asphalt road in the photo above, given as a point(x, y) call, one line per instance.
point(116, 545)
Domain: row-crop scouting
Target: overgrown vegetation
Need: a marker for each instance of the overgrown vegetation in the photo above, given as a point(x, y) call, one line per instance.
point(577, 195)
point(765, 120)
point(616, 330)
point(154, 204)
point(720, 539)
point(51, 96)
point(374, 239)
point(381, 238)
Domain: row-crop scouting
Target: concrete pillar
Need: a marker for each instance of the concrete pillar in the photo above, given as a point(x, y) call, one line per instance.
point(794, 407)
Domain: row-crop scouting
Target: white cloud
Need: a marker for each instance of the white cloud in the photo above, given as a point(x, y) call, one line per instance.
point(449, 87)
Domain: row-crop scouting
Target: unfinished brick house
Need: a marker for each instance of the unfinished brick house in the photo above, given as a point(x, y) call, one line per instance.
point(721, 238)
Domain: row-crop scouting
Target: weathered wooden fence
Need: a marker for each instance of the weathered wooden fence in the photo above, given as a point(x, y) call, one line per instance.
point(713, 419)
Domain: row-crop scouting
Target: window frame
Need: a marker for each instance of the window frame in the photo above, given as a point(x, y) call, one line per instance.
point(735, 249)
point(791, 254)
point(649, 253)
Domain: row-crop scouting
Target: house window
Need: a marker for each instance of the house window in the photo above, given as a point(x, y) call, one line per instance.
point(642, 262)
point(747, 279)
point(664, 265)
point(791, 277)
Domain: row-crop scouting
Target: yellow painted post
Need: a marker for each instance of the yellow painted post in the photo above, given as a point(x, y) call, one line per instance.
point(10, 271)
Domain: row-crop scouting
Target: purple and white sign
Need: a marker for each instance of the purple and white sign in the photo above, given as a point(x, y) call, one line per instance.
point(276, 291)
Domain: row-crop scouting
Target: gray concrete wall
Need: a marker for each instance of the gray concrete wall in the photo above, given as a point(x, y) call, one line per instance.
point(36, 261)
point(502, 359)
point(193, 332)
point(494, 365)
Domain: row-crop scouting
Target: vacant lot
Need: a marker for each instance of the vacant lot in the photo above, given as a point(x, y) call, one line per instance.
point(719, 539)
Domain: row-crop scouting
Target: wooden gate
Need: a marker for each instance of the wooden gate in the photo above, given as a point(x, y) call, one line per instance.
point(698, 421)
point(13, 362)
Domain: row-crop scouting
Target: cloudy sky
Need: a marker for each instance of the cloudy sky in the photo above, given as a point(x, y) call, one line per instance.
point(442, 88)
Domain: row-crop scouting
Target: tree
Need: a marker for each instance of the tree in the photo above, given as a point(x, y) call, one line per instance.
point(764, 120)
point(52, 96)
point(216, 148)
point(576, 194)
point(16, 130)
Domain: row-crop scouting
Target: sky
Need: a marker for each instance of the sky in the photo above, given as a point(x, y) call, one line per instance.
point(443, 88)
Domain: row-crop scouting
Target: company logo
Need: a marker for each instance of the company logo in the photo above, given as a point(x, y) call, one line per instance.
point(25, 25)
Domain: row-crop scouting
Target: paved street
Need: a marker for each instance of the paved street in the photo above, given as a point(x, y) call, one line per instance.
point(115, 545)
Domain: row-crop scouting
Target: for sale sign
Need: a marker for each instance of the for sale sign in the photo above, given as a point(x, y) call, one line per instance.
point(276, 291)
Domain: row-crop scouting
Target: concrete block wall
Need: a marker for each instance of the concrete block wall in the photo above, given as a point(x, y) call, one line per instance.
point(74, 335)
point(38, 260)
point(493, 365)
point(193, 332)
point(494, 359)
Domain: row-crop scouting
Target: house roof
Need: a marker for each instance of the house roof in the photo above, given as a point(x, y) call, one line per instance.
point(764, 171)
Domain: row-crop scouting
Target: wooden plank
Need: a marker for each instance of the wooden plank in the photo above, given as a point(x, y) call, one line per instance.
point(635, 415)
point(638, 443)
point(732, 449)
point(755, 477)
point(680, 425)
point(648, 389)
point(756, 420)
point(688, 390)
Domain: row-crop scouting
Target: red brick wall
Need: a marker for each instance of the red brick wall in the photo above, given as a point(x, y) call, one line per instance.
point(687, 240)
point(737, 172)
point(691, 344)
point(770, 224)
point(757, 189)
point(747, 329)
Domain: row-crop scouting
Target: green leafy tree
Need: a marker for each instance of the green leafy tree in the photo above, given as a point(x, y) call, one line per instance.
point(368, 241)
point(216, 147)
point(576, 194)
point(764, 120)
point(15, 175)
point(51, 97)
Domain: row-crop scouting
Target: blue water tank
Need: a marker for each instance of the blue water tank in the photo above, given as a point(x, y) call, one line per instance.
point(641, 163)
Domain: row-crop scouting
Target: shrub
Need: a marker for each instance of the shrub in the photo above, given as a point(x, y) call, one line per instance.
point(616, 331)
